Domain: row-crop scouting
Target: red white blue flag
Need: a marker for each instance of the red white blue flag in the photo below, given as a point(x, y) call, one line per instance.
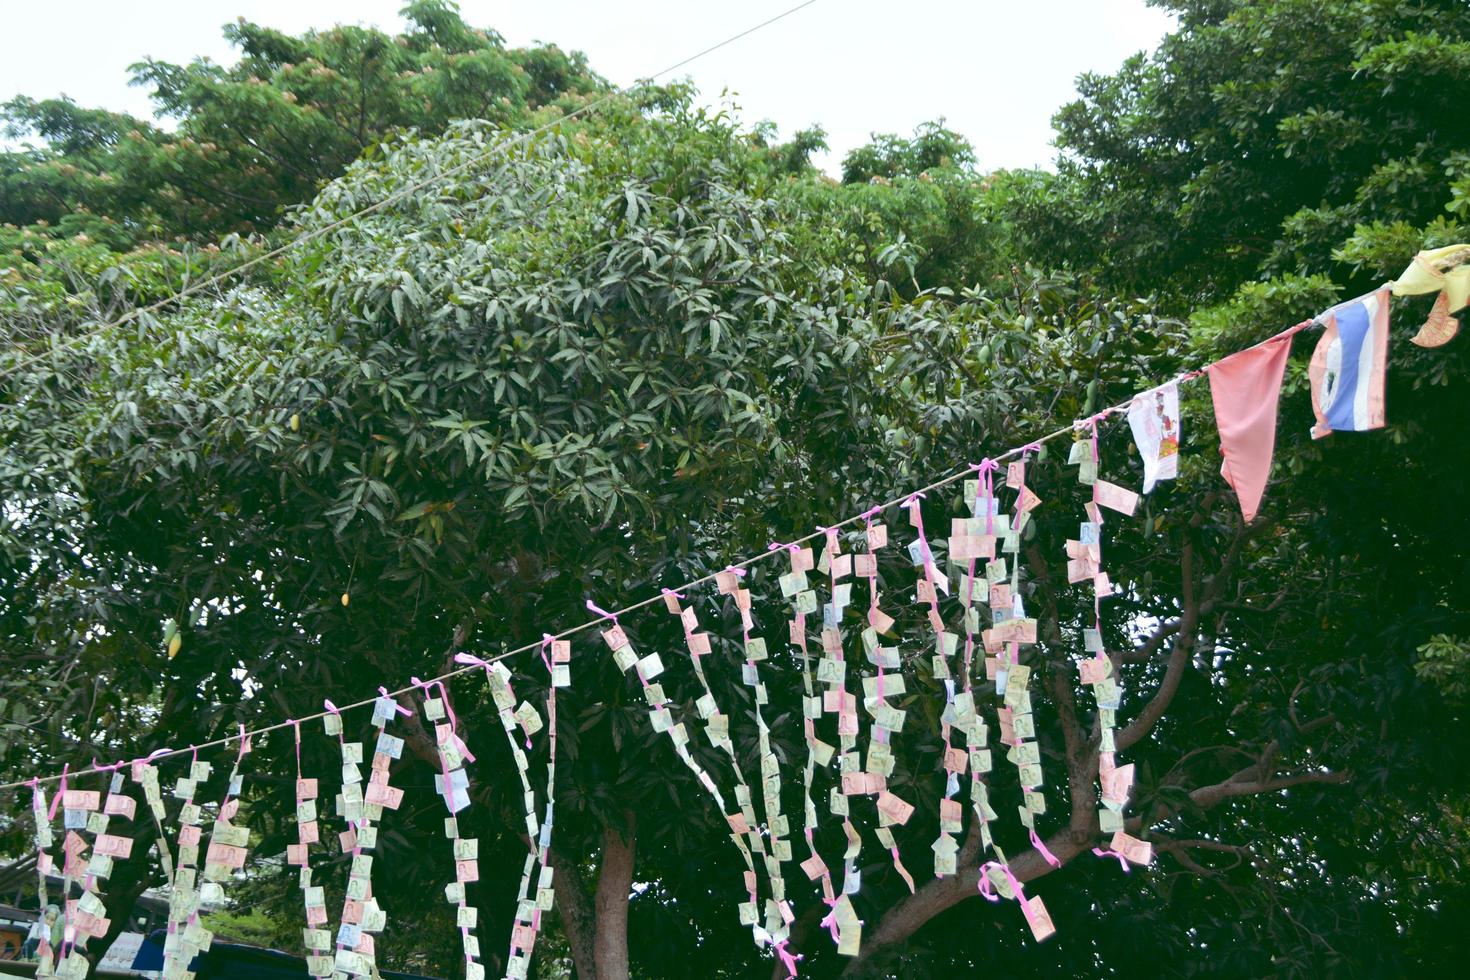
point(1349, 364)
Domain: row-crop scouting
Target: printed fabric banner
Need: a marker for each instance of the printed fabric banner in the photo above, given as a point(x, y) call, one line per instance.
point(1154, 419)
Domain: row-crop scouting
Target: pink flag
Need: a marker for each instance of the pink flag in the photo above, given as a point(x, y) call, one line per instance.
point(1246, 387)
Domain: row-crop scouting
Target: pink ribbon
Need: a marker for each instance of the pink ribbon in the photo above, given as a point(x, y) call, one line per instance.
point(1110, 853)
point(1041, 849)
point(470, 660)
point(787, 959)
point(397, 707)
point(60, 792)
point(987, 890)
point(601, 611)
point(913, 504)
point(296, 728)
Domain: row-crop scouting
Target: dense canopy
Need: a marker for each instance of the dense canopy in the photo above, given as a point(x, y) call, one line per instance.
point(652, 341)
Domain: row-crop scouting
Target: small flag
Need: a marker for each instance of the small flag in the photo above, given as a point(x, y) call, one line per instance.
point(1246, 388)
point(1348, 366)
point(1154, 419)
point(1446, 271)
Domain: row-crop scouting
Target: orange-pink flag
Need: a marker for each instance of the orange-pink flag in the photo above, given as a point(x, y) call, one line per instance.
point(1246, 388)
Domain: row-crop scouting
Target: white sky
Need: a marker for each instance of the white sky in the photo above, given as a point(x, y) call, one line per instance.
point(996, 70)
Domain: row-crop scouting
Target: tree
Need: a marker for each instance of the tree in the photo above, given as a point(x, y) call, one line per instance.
point(264, 134)
point(638, 350)
point(1255, 140)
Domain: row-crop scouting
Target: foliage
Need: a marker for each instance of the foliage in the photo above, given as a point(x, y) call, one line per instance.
point(933, 147)
point(651, 342)
point(264, 134)
point(1265, 137)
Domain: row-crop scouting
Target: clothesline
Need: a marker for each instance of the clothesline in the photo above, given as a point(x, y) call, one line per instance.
point(605, 616)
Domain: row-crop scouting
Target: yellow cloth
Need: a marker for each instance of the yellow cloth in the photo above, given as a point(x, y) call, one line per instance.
point(1423, 276)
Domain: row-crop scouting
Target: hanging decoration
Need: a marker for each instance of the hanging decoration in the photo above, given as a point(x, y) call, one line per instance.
point(1011, 626)
point(1245, 388)
point(1347, 374)
point(1446, 271)
point(452, 785)
point(741, 822)
point(778, 911)
point(742, 825)
point(45, 865)
point(1154, 418)
point(818, 753)
point(85, 916)
point(315, 939)
point(186, 937)
point(979, 531)
point(1348, 366)
point(888, 719)
point(361, 808)
point(841, 920)
point(1084, 557)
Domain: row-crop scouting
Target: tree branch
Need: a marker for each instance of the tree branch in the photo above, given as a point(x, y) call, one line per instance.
point(935, 896)
point(1178, 660)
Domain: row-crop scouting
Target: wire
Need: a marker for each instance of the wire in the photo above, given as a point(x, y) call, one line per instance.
point(507, 144)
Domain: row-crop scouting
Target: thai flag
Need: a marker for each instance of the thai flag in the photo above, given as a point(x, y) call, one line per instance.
point(1348, 366)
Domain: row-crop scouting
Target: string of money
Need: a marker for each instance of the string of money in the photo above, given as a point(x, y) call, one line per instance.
point(45, 864)
point(970, 540)
point(1098, 672)
point(361, 809)
point(818, 753)
point(964, 547)
point(146, 776)
point(317, 940)
point(79, 808)
point(647, 668)
point(228, 848)
point(558, 669)
point(778, 911)
point(527, 915)
point(1001, 643)
point(73, 846)
point(181, 943)
point(452, 785)
point(717, 730)
point(90, 918)
point(888, 720)
point(1016, 630)
point(842, 920)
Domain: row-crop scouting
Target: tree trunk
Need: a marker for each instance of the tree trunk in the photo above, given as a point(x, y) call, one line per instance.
point(577, 916)
point(596, 925)
point(614, 884)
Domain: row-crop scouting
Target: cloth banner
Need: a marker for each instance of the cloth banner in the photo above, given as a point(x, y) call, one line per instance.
point(1154, 419)
point(1245, 388)
point(1348, 366)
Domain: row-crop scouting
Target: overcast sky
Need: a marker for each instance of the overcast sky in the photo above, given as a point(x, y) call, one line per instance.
point(996, 70)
